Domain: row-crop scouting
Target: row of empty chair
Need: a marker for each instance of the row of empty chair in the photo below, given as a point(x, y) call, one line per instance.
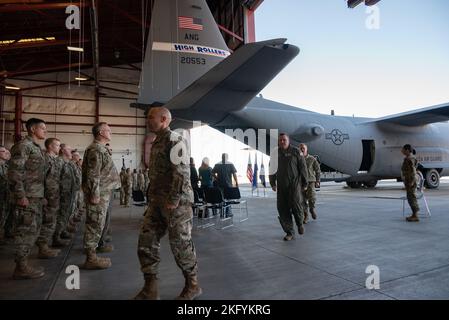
point(212, 207)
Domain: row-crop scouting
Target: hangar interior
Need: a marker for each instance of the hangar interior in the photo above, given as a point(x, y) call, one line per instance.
point(248, 261)
point(71, 90)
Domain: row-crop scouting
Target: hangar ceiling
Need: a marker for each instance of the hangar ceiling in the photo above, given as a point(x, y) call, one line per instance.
point(34, 37)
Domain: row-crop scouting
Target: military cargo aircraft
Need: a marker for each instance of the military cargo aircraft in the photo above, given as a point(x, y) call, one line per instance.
point(189, 69)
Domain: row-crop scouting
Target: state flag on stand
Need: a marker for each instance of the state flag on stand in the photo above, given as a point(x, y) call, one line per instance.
point(254, 182)
point(262, 175)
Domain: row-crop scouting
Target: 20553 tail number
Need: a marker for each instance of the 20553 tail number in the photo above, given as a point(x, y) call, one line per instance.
point(188, 60)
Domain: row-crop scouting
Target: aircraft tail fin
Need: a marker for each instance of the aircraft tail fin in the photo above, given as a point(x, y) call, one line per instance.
point(183, 44)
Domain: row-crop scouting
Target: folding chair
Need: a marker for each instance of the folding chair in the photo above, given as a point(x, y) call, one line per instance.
point(215, 201)
point(200, 206)
point(139, 198)
point(232, 196)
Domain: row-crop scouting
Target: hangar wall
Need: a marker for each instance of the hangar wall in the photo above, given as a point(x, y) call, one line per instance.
point(70, 111)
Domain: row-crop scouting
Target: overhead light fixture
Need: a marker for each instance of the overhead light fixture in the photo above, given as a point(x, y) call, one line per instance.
point(12, 88)
point(81, 79)
point(27, 40)
point(77, 49)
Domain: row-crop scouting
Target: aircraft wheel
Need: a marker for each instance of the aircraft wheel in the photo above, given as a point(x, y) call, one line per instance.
point(432, 179)
point(370, 184)
point(354, 184)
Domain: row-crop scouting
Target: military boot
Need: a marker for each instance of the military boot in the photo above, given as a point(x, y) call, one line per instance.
point(313, 213)
point(59, 243)
point(105, 248)
point(71, 228)
point(306, 217)
point(413, 218)
point(66, 235)
point(93, 262)
point(191, 289)
point(24, 271)
point(47, 253)
point(289, 237)
point(301, 229)
point(150, 289)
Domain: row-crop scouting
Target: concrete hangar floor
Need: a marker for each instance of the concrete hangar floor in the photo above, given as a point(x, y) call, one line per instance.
point(354, 229)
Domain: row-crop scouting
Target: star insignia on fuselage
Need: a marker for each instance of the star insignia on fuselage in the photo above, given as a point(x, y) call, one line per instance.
point(337, 137)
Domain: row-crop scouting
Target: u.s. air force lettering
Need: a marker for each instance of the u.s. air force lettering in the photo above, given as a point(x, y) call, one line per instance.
point(337, 137)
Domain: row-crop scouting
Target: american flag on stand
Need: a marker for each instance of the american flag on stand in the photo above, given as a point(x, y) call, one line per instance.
point(190, 23)
point(249, 170)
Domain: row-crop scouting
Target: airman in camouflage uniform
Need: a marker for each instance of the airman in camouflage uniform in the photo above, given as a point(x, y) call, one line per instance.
point(170, 209)
point(289, 181)
point(314, 172)
point(26, 177)
point(147, 180)
point(103, 246)
point(141, 181)
point(100, 177)
point(68, 187)
point(122, 186)
point(80, 203)
point(127, 184)
point(4, 188)
point(50, 210)
point(408, 170)
point(76, 214)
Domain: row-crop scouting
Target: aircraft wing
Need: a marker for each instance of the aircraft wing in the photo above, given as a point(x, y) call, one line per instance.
point(420, 117)
point(232, 83)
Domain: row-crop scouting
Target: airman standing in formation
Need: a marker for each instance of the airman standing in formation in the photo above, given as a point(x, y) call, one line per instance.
point(100, 177)
point(408, 170)
point(5, 155)
point(122, 186)
point(51, 209)
point(313, 172)
point(170, 210)
point(26, 177)
point(128, 182)
point(76, 214)
point(141, 181)
point(68, 187)
point(289, 181)
point(103, 246)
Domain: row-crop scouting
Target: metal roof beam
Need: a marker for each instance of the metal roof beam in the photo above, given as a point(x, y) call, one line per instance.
point(34, 7)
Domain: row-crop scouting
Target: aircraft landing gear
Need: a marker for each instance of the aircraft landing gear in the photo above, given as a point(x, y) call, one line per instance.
point(354, 184)
point(359, 184)
point(432, 177)
point(370, 184)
